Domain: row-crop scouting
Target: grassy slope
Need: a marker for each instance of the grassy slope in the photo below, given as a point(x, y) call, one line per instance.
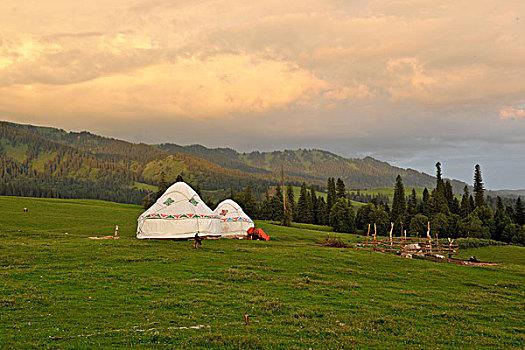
point(117, 294)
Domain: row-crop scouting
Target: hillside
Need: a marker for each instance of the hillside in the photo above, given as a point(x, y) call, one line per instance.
point(313, 165)
point(63, 290)
point(45, 161)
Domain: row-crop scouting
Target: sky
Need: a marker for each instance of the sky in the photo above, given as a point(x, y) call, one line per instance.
point(411, 82)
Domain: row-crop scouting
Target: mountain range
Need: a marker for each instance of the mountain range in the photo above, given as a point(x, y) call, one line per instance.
point(46, 161)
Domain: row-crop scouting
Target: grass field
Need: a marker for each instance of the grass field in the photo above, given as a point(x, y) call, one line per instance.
point(63, 290)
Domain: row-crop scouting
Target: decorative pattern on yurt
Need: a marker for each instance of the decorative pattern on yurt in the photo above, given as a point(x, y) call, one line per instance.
point(235, 222)
point(178, 213)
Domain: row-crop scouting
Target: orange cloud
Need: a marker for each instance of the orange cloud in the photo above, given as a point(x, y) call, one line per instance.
point(508, 112)
point(201, 88)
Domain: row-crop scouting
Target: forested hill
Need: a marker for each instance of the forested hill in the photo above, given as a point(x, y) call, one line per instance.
point(50, 162)
point(313, 165)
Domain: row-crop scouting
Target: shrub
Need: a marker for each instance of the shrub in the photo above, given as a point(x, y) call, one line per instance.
point(465, 243)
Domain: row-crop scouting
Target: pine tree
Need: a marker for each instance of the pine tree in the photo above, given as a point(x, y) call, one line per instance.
point(322, 211)
point(438, 203)
point(411, 210)
point(519, 212)
point(163, 185)
point(440, 185)
point(449, 196)
point(399, 201)
point(180, 179)
point(303, 209)
point(465, 203)
point(501, 220)
point(313, 206)
point(479, 189)
point(331, 194)
point(425, 209)
point(250, 203)
point(266, 211)
point(290, 202)
point(509, 210)
point(340, 189)
point(438, 171)
point(342, 217)
point(276, 204)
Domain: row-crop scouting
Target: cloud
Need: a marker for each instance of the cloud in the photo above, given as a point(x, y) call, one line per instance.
point(375, 70)
point(508, 112)
point(186, 87)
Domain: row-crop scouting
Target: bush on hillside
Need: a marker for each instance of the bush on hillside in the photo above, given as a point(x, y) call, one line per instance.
point(465, 243)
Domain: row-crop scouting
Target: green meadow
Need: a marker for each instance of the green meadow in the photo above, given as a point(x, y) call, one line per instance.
point(60, 289)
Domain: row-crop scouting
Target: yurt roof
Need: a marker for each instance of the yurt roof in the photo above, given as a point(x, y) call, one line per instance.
point(179, 201)
point(235, 211)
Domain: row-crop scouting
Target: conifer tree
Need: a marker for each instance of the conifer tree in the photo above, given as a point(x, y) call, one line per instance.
point(290, 201)
point(509, 210)
point(340, 189)
point(250, 203)
point(163, 185)
point(276, 204)
point(331, 196)
point(303, 209)
point(449, 196)
point(425, 209)
point(313, 206)
point(519, 212)
point(179, 178)
point(322, 211)
point(501, 220)
point(411, 210)
point(438, 203)
point(399, 201)
point(266, 212)
point(465, 203)
point(440, 185)
point(342, 217)
point(478, 189)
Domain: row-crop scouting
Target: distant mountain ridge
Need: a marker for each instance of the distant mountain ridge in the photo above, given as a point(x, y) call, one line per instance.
point(313, 165)
point(48, 161)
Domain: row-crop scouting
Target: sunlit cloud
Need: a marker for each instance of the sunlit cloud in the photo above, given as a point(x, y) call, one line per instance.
point(296, 69)
point(187, 87)
point(508, 112)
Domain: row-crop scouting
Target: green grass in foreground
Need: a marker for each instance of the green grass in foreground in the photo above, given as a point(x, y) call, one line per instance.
point(67, 291)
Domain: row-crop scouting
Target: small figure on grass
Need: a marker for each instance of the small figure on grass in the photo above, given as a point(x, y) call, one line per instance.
point(198, 241)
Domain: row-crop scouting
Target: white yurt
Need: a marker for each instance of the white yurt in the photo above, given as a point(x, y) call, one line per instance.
point(178, 213)
point(235, 222)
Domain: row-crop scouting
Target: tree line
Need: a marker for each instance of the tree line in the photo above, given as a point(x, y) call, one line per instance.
point(449, 215)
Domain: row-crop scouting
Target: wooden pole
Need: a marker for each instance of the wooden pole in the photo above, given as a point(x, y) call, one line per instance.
point(367, 234)
point(375, 234)
point(391, 230)
point(429, 239)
